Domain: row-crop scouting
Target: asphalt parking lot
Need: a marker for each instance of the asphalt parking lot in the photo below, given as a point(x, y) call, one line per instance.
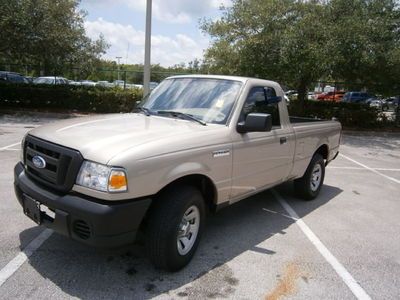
point(343, 245)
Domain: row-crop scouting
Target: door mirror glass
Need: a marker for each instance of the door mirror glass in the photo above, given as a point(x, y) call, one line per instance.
point(255, 122)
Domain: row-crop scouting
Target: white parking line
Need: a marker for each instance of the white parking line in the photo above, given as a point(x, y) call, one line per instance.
point(360, 168)
point(281, 214)
point(19, 260)
point(9, 146)
point(370, 169)
point(347, 278)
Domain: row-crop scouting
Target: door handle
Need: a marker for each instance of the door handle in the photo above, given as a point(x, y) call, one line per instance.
point(283, 140)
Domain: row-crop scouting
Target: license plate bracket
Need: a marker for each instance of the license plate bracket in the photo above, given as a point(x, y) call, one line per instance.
point(32, 209)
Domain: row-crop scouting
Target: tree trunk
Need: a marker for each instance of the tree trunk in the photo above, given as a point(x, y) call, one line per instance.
point(302, 95)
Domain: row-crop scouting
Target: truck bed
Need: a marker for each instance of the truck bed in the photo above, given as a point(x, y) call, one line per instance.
point(301, 122)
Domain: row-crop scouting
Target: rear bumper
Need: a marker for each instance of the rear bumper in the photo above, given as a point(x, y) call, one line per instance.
point(90, 222)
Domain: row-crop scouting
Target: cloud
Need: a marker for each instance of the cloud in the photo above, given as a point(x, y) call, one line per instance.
point(179, 11)
point(171, 11)
point(166, 50)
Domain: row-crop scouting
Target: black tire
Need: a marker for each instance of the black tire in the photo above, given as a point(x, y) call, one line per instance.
point(303, 185)
point(164, 223)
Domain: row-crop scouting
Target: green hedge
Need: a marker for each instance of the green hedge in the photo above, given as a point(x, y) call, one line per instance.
point(106, 100)
point(351, 115)
point(68, 98)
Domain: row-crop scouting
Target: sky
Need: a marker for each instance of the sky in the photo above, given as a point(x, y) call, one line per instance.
point(176, 37)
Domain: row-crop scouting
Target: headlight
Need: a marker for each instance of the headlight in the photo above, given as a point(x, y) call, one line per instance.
point(102, 178)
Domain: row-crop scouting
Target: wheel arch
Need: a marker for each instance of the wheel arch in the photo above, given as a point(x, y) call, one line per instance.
point(202, 182)
point(323, 150)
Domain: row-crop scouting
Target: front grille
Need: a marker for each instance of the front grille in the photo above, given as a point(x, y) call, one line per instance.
point(62, 163)
point(81, 229)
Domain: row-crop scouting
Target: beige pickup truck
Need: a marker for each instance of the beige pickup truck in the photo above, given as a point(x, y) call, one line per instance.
point(196, 144)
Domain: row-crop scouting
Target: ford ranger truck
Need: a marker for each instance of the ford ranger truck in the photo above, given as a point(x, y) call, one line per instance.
point(196, 144)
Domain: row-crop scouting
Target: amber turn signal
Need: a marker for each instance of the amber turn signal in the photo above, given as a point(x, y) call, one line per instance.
point(117, 181)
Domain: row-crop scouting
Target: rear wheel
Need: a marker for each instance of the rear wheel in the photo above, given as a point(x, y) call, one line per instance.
point(175, 226)
point(308, 186)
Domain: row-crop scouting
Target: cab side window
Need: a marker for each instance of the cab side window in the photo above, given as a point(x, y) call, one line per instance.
point(257, 102)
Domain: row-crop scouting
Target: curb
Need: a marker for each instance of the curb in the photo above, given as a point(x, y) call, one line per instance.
point(55, 115)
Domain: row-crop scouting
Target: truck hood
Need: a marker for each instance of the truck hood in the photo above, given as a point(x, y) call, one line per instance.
point(100, 138)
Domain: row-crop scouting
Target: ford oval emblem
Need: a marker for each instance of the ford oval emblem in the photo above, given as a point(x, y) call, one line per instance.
point(39, 162)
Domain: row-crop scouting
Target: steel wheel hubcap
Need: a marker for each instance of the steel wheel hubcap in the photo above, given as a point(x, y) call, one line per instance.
point(316, 177)
point(188, 230)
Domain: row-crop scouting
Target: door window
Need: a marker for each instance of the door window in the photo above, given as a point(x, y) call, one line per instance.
point(257, 102)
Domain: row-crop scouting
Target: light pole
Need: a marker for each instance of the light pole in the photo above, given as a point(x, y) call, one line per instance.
point(118, 58)
point(147, 48)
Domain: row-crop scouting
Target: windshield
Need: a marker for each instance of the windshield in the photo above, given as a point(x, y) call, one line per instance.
point(209, 100)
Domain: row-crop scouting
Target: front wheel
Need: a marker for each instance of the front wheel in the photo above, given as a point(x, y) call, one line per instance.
point(175, 226)
point(308, 186)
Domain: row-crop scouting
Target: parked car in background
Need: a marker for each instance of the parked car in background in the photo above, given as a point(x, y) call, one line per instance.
point(30, 78)
point(87, 82)
point(13, 77)
point(290, 92)
point(104, 83)
point(311, 96)
point(335, 96)
point(72, 82)
point(153, 85)
point(378, 103)
point(119, 83)
point(126, 85)
point(393, 102)
point(51, 80)
point(356, 97)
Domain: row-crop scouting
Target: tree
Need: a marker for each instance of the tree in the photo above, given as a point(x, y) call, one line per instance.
point(365, 43)
point(46, 32)
point(275, 39)
point(301, 42)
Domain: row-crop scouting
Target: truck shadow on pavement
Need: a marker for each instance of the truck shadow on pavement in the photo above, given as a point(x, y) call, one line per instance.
point(88, 273)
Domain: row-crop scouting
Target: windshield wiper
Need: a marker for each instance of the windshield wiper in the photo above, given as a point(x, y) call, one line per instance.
point(181, 114)
point(145, 110)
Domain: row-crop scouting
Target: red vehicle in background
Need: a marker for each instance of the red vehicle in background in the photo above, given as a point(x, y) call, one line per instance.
point(331, 96)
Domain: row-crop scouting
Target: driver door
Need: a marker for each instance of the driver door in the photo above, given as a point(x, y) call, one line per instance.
point(261, 159)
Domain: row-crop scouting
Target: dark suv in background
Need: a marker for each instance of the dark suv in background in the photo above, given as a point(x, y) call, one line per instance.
point(356, 97)
point(12, 77)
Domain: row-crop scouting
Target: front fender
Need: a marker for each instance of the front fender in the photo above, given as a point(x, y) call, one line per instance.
point(185, 169)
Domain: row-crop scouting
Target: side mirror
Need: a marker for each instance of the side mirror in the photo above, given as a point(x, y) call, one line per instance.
point(255, 122)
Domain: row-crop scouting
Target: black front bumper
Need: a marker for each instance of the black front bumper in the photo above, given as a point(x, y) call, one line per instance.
point(82, 219)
